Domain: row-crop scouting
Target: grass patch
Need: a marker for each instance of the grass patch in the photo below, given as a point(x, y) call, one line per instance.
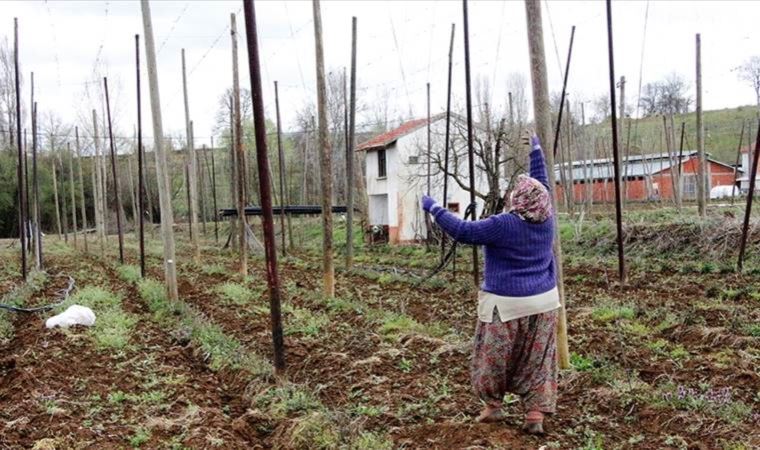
point(140, 437)
point(305, 322)
point(315, 431)
point(284, 401)
point(214, 269)
point(235, 293)
point(129, 273)
point(17, 297)
point(113, 326)
point(612, 313)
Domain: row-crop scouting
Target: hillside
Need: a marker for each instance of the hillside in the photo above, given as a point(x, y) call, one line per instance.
point(722, 129)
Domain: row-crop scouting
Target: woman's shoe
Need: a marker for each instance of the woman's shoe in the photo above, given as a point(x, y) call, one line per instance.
point(490, 414)
point(534, 422)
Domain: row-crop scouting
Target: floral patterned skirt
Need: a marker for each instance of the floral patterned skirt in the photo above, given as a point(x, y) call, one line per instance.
point(519, 357)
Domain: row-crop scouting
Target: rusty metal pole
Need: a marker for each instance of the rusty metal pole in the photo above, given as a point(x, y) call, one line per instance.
point(750, 196)
point(446, 143)
point(140, 163)
point(470, 150)
point(115, 174)
point(562, 98)
point(264, 186)
point(20, 168)
point(615, 150)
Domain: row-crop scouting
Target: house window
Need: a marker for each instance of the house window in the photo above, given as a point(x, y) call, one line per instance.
point(453, 207)
point(381, 172)
point(689, 186)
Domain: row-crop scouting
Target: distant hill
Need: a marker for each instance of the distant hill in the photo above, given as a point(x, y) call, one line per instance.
point(722, 129)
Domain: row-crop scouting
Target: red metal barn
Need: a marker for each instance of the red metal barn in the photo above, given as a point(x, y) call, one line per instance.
point(646, 177)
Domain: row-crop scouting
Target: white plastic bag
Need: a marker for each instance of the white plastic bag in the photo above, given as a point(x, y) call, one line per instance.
point(74, 315)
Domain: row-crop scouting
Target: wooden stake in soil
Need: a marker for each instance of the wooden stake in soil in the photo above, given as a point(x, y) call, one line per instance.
point(70, 157)
point(542, 114)
point(36, 188)
point(447, 137)
point(54, 171)
point(470, 149)
point(615, 149)
point(736, 164)
point(99, 211)
point(20, 171)
point(213, 192)
point(750, 196)
point(115, 174)
point(262, 159)
point(350, 154)
point(325, 158)
point(162, 174)
point(192, 170)
point(83, 207)
point(281, 161)
point(140, 156)
point(702, 181)
point(240, 155)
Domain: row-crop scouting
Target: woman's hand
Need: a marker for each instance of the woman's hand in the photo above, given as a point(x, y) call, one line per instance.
point(427, 203)
point(531, 138)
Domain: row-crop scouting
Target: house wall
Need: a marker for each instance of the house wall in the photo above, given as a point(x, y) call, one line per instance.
point(661, 182)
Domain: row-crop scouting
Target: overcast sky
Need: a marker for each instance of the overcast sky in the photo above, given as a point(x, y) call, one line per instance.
point(401, 46)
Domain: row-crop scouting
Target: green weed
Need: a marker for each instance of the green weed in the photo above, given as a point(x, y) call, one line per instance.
point(235, 293)
point(129, 273)
point(612, 313)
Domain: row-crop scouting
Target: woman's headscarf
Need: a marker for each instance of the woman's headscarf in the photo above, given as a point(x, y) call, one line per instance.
point(530, 200)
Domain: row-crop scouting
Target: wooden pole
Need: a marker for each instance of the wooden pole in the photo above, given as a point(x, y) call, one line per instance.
point(736, 164)
point(615, 148)
point(542, 114)
point(162, 174)
point(325, 158)
point(72, 192)
point(281, 162)
point(241, 171)
point(115, 174)
point(447, 139)
point(36, 188)
point(20, 168)
point(701, 178)
point(132, 186)
point(99, 212)
point(192, 170)
point(470, 149)
point(750, 196)
point(562, 97)
point(64, 208)
point(350, 154)
point(140, 162)
point(53, 160)
point(213, 193)
point(201, 185)
point(273, 279)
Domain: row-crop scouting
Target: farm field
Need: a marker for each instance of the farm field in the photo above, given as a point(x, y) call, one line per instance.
point(670, 360)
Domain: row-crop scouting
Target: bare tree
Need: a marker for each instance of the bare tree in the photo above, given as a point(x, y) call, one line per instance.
point(750, 73)
point(666, 97)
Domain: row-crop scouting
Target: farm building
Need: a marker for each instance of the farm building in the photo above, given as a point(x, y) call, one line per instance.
point(396, 177)
point(646, 177)
point(747, 169)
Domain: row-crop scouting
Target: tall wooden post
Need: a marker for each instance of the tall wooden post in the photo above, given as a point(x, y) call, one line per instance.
point(192, 169)
point(325, 158)
point(115, 174)
point(72, 190)
point(542, 114)
point(140, 162)
point(429, 153)
point(447, 138)
point(213, 192)
point(621, 122)
point(702, 167)
point(164, 192)
point(262, 160)
point(281, 161)
point(83, 207)
point(240, 155)
point(99, 194)
point(736, 164)
point(20, 171)
point(201, 184)
point(54, 171)
point(36, 188)
point(470, 149)
point(350, 154)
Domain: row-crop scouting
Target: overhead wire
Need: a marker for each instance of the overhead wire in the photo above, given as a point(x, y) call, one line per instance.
point(174, 25)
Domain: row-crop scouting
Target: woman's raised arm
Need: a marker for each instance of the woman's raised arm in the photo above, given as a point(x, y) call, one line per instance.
point(479, 232)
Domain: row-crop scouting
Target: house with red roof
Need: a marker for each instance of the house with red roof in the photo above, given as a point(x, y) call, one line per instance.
point(396, 176)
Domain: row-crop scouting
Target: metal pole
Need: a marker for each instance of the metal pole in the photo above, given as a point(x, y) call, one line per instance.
point(140, 162)
point(615, 150)
point(470, 150)
point(447, 143)
point(564, 92)
point(350, 153)
point(115, 174)
point(750, 196)
point(281, 160)
point(265, 186)
point(20, 168)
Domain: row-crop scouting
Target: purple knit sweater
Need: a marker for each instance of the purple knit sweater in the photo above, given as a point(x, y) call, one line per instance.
point(519, 258)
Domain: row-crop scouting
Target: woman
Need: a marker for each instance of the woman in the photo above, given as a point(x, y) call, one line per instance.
point(515, 347)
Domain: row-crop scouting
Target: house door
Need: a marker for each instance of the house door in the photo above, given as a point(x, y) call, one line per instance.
point(378, 209)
